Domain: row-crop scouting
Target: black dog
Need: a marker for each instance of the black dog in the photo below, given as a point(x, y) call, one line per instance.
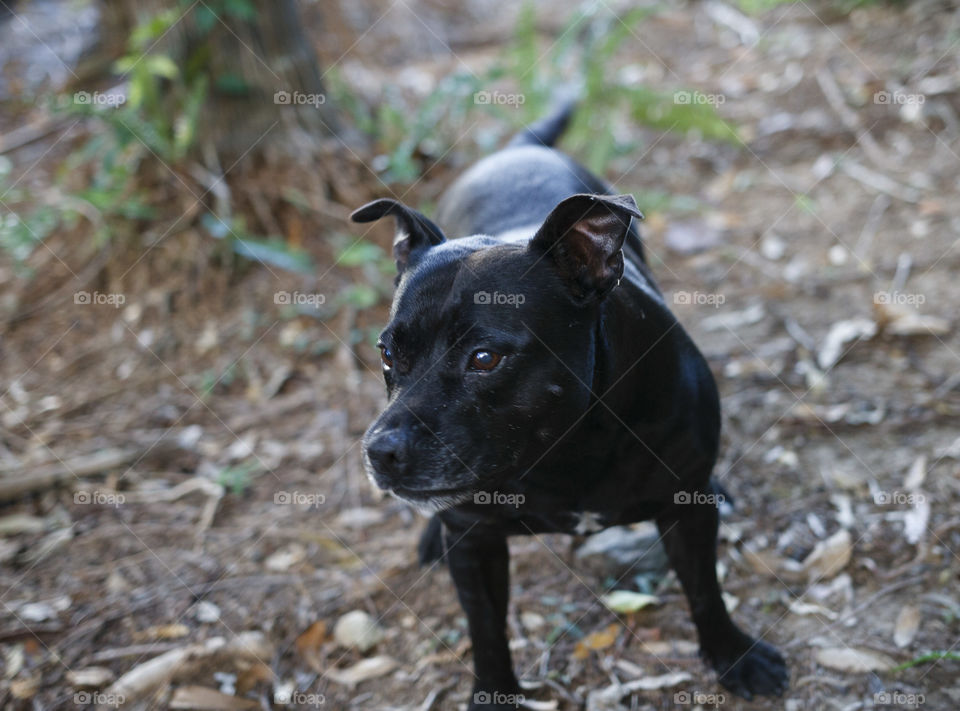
point(538, 382)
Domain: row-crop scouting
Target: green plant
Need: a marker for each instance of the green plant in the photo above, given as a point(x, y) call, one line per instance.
point(929, 657)
point(412, 137)
point(149, 129)
point(582, 57)
point(237, 478)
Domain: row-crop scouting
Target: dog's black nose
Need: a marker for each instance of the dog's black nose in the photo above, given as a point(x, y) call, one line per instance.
point(387, 452)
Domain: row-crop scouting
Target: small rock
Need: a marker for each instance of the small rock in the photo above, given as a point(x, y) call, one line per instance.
point(282, 560)
point(692, 236)
point(616, 550)
point(359, 630)
point(206, 612)
point(773, 247)
point(532, 620)
point(90, 678)
point(43, 611)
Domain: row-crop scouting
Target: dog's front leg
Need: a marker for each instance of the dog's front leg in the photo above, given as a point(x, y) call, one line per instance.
point(745, 666)
point(479, 564)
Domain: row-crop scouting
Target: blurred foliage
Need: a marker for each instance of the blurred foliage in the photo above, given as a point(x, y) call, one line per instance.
point(237, 479)
point(579, 61)
point(842, 7)
point(583, 57)
point(148, 133)
point(148, 130)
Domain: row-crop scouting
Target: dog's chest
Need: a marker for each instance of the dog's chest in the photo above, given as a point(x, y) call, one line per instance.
point(554, 517)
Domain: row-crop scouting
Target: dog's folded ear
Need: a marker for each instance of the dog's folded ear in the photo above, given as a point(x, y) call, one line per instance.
point(414, 230)
point(584, 237)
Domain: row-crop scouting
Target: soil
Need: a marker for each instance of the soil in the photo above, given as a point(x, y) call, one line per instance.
point(824, 213)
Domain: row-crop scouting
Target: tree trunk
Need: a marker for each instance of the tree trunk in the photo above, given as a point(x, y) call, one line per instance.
point(264, 92)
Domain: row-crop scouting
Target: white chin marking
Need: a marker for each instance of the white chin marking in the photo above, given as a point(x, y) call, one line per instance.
point(436, 503)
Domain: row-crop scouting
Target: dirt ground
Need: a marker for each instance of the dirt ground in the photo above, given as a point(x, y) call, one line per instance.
point(814, 263)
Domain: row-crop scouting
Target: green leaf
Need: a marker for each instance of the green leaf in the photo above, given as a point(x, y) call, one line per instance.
point(206, 18)
point(147, 32)
point(359, 253)
point(162, 66)
point(929, 657)
point(276, 252)
point(241, 9)
point(361, 296)
point(626, 601)
point(232, 84)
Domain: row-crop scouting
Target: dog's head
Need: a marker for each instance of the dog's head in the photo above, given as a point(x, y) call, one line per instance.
point(489, 354)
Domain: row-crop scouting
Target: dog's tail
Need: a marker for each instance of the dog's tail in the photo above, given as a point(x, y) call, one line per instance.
point(430, 548)
point(546, 131)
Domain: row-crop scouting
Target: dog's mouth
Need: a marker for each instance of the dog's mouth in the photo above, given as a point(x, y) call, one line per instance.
point(433, 499)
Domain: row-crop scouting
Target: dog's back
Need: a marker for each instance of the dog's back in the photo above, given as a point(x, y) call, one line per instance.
point(509, 193)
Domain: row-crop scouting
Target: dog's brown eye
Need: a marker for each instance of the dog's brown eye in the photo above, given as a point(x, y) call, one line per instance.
point(485, 360)
point(386, 357)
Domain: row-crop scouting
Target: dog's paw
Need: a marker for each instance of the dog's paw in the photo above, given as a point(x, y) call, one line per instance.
point(757, 670)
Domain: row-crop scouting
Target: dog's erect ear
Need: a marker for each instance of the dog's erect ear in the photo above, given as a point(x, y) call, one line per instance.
point(584, 237)
point(414, 231)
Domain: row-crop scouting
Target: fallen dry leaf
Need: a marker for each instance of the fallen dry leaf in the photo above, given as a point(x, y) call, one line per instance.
point(90, 678)
point(677, 647)
point(308, 645)
point(905, 629)
point(917, 473)
point(364, 670)
point(596, 641)
point(771, 565)
point(799, 607)
point(206, 699)
point(916, 520)
point(310, 641)
point(25, 688)
point(251, 676)
point(840, 334)
point(627, 601)
point(899, 320)
point(853, 660)
point(174, 631)
point(830, 556)
point(615, 692)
